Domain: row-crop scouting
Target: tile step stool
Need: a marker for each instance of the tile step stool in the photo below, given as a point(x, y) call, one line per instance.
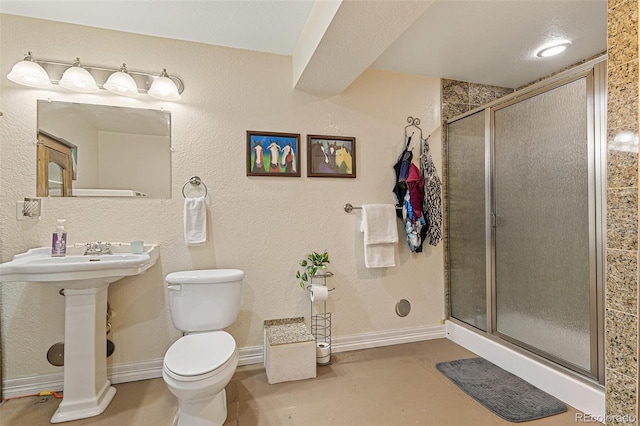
point(289, 350)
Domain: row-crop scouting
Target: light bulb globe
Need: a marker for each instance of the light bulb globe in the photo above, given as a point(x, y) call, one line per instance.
point(121, 83)
point(30, 73)
point(164, 88)
point(79, 79)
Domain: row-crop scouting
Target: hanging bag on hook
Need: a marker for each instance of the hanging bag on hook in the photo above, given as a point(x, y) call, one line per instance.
point(402, 172)
point(409, 190)
point(433, 197)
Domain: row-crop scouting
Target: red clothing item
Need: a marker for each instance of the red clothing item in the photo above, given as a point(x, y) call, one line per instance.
point(415, 183)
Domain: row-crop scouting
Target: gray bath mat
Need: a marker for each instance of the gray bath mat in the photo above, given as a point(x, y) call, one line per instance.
point(503, 393)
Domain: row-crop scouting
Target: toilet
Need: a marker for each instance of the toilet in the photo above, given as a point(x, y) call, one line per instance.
point(199, 365)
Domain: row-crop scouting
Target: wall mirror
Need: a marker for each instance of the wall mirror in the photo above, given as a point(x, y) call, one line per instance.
point(89, 150)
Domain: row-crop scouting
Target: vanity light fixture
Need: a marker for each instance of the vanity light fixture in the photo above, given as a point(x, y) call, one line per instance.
point(90, 79)
point(553, 49)
point(78, 79)
point(121, 83)
point(164, 88)
point(29, 73)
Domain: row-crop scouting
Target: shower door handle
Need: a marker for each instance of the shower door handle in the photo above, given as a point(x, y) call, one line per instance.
point(494, 220)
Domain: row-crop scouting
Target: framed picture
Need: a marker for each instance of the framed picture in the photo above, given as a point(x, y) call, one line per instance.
point(273, 154)
point(331, 156)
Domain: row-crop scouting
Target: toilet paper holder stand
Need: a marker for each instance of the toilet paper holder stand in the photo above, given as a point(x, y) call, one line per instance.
point(321, 323)
point(309, 288)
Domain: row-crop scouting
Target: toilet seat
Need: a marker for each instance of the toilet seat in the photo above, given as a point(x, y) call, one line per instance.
point(199, 356)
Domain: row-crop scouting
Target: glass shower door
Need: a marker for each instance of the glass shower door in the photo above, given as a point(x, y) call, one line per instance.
point(467, 229)
point(544, 253)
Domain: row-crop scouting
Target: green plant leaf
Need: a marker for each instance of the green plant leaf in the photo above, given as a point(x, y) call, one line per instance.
point(312, 263)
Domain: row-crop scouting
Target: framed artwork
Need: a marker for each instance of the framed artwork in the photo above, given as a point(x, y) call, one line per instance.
point(273, 154)
point(331, 156)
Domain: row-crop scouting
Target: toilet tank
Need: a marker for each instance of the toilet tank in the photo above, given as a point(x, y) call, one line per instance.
point(204, 300)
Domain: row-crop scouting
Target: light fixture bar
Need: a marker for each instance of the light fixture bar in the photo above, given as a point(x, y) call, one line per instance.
point(143, 79)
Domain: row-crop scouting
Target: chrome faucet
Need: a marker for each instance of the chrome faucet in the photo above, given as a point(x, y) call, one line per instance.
point(97, 249)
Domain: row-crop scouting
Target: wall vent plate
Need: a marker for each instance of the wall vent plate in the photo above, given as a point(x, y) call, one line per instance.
point(55, 354)
point(403, 307)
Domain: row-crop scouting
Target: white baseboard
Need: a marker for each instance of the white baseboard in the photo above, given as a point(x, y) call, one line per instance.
point(387, 338)
point(251, 355)
point(151, 369)
point(31, 385)
point(588, 398)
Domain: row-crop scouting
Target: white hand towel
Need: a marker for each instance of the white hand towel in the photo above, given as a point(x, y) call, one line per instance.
point(380, 235)
point(195, 220)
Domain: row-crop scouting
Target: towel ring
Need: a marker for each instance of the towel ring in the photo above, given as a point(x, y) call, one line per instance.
point(194, 180)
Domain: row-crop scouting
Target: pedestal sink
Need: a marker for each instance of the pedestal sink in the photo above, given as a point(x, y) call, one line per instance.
point(85, 279)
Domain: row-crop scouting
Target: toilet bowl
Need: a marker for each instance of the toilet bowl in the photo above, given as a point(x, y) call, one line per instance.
point(196, 370)
point(199, 365)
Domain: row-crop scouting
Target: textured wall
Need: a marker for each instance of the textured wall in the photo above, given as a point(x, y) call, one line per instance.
point(621, 295)
point(262, 225)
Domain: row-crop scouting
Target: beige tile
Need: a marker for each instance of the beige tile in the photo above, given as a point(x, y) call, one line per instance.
point(620, 396)
point(622, 281)
point(501, 91)
point(455, 92)
point(450, 109)
point(621, 335)
point(622, 169)
point(481, 94)
point(622, 29)
point(622, 218)
point(622, 96)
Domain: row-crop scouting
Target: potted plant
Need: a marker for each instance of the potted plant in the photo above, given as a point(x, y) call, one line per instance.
point(314, 264)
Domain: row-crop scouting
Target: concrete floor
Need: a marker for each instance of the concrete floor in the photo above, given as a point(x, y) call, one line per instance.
point(393, 385)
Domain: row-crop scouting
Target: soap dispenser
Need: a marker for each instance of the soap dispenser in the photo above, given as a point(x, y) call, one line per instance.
point(59, 240)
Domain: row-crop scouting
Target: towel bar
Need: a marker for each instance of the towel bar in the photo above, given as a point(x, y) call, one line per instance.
point(348, 208)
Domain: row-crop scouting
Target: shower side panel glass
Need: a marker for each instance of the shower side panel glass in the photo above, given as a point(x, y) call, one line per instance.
point(467, 235)
point(542, 237)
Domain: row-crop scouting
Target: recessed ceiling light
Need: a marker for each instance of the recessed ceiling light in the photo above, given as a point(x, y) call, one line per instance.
point(553, 49)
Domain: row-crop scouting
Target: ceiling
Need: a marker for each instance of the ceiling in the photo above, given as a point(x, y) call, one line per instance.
point(483, 41)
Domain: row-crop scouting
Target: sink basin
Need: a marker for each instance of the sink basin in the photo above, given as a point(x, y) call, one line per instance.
point(76, 270)
point(85, 281)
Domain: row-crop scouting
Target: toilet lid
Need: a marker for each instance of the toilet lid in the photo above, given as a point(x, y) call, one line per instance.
point(205, 276)
point(196, 354)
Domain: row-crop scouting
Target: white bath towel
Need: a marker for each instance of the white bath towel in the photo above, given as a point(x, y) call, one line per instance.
point(380, 235)
point(195, 220)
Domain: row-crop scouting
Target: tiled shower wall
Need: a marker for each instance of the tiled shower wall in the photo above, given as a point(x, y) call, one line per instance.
point(621, 294)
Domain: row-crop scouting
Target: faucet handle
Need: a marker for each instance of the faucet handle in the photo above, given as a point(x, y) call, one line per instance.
point(90, 248)
point(107, 248)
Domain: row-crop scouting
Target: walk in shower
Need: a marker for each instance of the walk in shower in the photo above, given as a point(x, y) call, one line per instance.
point(526, 181)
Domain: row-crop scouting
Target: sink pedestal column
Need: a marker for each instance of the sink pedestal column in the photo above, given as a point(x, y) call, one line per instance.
point(87, 392)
